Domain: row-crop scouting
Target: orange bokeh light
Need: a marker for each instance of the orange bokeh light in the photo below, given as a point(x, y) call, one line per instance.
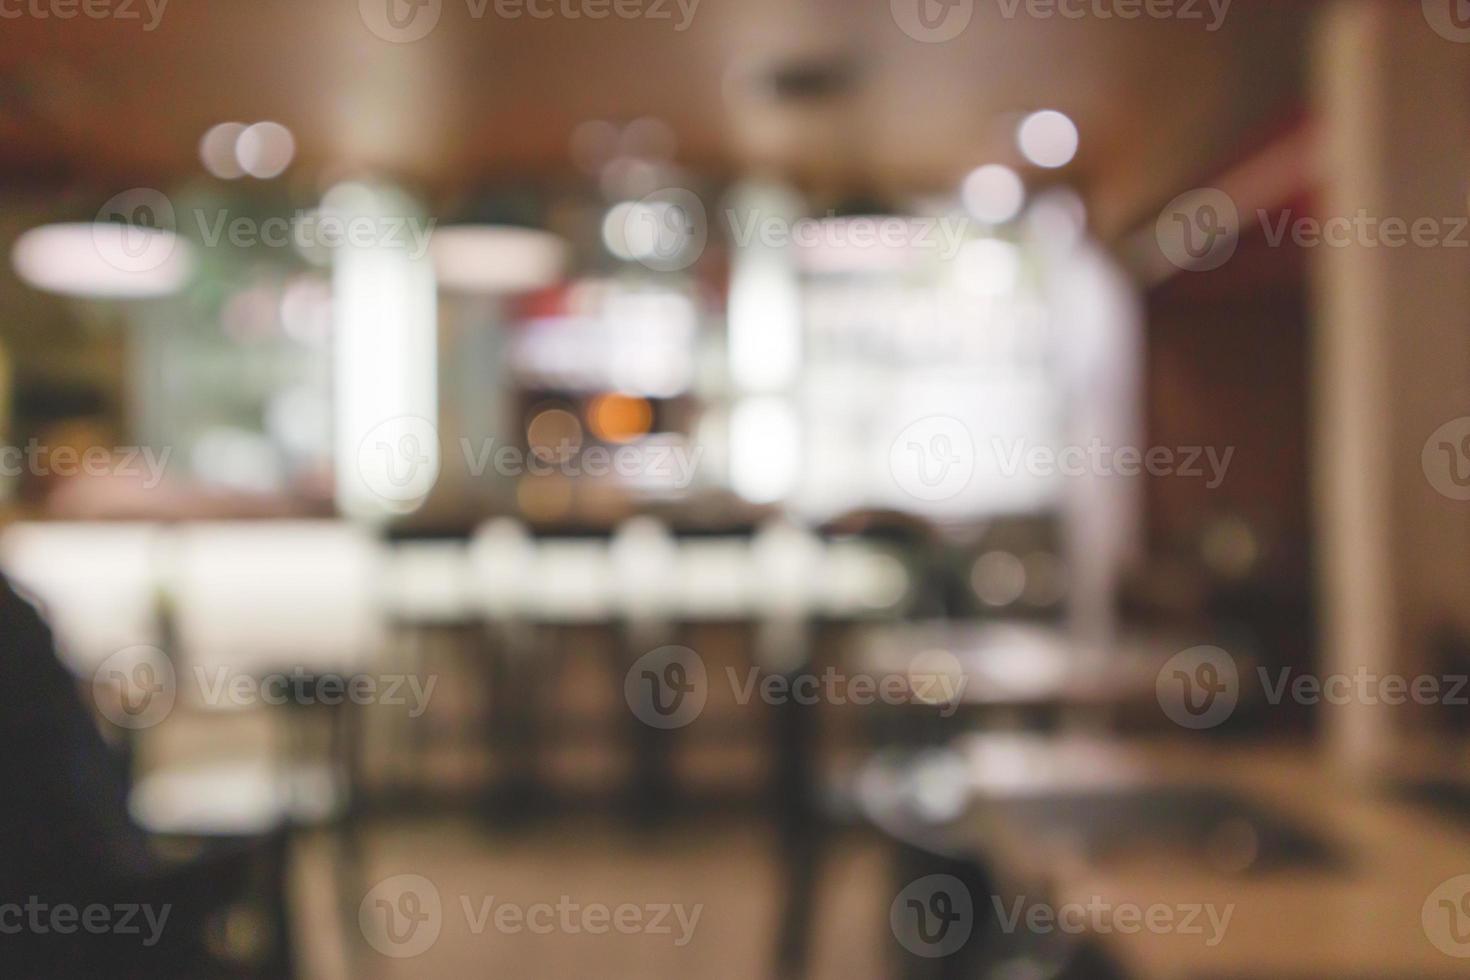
point(619, 418)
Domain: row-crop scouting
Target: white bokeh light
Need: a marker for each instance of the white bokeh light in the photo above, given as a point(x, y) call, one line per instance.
point(102, 260)
point(265, 149)
point(217, 150)
point(993, 193)
point(496, 258)
point(1047, 138)
point(765, 449)
point(641, 231)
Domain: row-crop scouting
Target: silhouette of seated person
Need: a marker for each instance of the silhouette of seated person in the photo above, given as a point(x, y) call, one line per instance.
point(82, 891)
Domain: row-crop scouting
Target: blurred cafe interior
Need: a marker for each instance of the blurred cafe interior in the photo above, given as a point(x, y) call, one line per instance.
point(637, 488)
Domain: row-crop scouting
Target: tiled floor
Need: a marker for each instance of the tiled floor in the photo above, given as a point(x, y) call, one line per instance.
point(726, 867)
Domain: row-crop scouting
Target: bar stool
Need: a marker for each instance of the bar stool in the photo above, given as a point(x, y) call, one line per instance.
point(712, 581)
point(644, 558)
point(500, 558)
point(433, 622)
point(786, 562)
point(572, 608)
point(286, 597)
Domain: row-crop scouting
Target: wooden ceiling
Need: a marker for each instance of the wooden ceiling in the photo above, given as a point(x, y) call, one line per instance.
point(108, 103)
